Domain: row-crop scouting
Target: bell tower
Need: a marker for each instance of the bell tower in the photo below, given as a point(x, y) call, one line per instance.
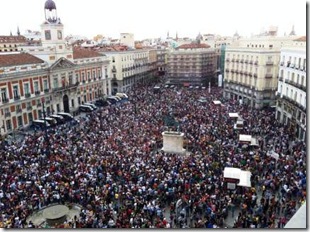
point(52, 28)
point(52, 33)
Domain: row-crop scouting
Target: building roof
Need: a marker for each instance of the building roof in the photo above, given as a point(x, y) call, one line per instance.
point(113, 48)
point(79, 53)
point(301, 39)
point(193, 46)
point(12, 39)
point(18, 59)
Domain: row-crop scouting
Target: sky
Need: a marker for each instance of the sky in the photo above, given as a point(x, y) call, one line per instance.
point(154, 19)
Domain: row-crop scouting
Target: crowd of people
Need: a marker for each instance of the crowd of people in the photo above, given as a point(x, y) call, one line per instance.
point(111, 164)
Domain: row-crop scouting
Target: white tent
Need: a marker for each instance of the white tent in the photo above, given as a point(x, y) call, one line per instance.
point(233, 173)
point(217, 102)
point(244, 177)
point(245, 138)
point(233, 115)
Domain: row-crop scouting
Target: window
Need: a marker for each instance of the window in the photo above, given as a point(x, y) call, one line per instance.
point(83, 76)
point(47, 34)
point(45, 84)
point(30, 117)
point(26, 88)
point(55, 83)
point(72, 102)
point(76, 77)
point(70, 79)
point(36, 86)
point(3, 94)
point(59, 34)
point(15, 91)
point(20, 121)
point(94, 74)
point(8, 125)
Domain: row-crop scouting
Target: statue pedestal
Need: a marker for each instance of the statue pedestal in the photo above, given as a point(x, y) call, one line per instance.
point(173, 142)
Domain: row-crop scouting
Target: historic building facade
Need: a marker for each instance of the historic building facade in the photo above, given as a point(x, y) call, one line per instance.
point(251, 70)
point(53, 77)
point(193, 63)
point(292, 83)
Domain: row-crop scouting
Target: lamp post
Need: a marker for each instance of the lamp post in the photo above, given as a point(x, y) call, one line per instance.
point(45, 127)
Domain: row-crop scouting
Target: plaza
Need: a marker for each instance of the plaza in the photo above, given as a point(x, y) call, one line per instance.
point(113, 167)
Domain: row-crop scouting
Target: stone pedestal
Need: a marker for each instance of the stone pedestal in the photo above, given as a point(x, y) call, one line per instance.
point(173, 142)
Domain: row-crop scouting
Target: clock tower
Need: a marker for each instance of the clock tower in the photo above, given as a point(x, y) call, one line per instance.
point(52, 32)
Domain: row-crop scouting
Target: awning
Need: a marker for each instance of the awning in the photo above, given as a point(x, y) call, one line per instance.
point(245, 179)
point(233, 173)
point(233, 115)
point(245, 138)
point(217, 102)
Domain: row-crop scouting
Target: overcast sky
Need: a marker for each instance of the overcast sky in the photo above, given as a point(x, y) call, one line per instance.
point(153, 19)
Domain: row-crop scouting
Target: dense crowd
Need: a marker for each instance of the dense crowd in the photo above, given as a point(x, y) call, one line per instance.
point(111, 165)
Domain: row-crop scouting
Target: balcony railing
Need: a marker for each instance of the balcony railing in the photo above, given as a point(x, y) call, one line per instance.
point(268, 75)
point(280, 78)
point(17, 97)
point(27, 95)
point(67, 87)
point(39, 104)
point(5, 100)
point(255, 75)
point(29, 107)
point(269, 62)
point(46, 90)
point(256, 63)
point(18, 111)
point(7, 114)
point(37, 92)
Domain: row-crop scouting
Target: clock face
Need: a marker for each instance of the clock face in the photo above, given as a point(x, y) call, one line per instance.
point(59, 34)
point(47, 34)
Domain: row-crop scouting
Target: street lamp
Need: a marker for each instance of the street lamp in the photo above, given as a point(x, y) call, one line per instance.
point(45, 127)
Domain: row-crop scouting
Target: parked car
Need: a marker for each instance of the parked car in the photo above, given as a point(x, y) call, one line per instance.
point(68, 117)
point(60, 119)
point(51, 121)
point(91, 105)
point(39, 124)
point(85, 108)
point(101, 103)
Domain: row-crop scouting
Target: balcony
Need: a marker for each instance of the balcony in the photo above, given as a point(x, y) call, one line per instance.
point(5, 100)
point(17, 97)
point(256, 63)
point(113, 69)
point(227, 60)
point(250, 62)
point(29, 107)
point(70, 86)
point(37, 92)
point(106, 76)
point(268, 75)
point(255, 75)
point(280, 78)
point(18, 111)
point(282, 63)
point(39, 104)
point(7, 114)
point(27, 95)
point(269, 62)
point(241, 61)
point(246, 61)
point(46, 90)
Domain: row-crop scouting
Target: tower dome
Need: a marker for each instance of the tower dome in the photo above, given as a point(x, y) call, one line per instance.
point(51, 12)
point(50, 5)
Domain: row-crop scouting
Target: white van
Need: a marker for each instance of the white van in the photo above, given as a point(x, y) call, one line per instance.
point(122, 95)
